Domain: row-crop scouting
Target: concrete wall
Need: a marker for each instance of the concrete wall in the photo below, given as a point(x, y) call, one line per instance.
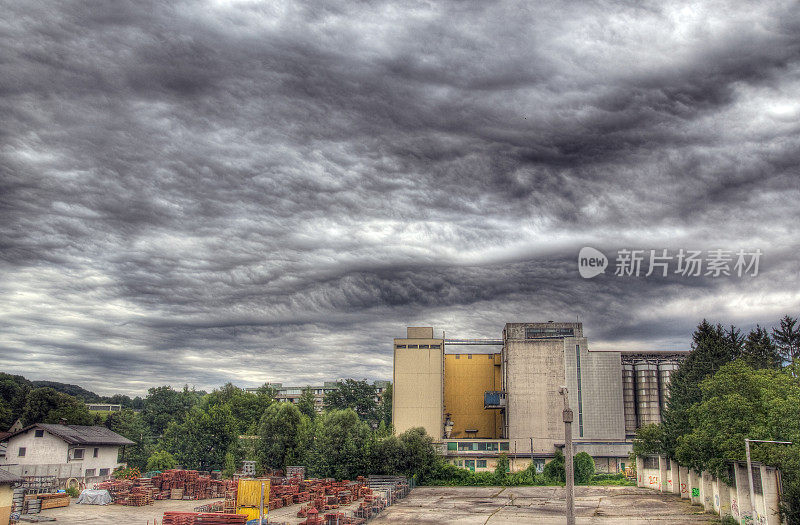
point(534, 372)
point(715, 496)
point(418, 395)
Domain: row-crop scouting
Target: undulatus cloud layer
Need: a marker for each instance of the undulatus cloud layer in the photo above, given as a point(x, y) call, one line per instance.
point(249, 191)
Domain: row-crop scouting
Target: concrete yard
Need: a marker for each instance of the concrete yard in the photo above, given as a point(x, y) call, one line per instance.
point(458, 505)
point(540, 505)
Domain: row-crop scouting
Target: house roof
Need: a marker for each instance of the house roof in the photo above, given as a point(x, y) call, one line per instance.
point(8, 477)
point(80, 434)
point(4, 435)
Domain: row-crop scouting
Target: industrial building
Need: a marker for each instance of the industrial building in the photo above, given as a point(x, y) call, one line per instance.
point(479, 398)
point(291, 394)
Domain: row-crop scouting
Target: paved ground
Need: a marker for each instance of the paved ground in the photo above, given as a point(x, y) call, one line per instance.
point(457, 505)
point(540, 505)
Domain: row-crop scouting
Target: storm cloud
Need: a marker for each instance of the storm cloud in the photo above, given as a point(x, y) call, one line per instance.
point(249, 191)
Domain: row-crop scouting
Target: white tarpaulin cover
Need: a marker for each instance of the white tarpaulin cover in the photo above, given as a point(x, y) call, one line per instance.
point(94, 497)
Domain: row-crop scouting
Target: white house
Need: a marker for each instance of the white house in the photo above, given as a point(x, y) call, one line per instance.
point(86, 453)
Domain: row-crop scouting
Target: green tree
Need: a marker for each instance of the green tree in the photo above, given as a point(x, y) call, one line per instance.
point(14, 391)
point(307, 404)
point(501, 468)
point(787, 339)
point(712, 347)
point(341, 445)
point(248, 408)
point(737, 403)
point(164, 405)
point(418, 454)
point(45, 405)
point(760, 351)
point(554, 471)
point(357, 395)
point(6, 414)
point(129, 424)
point(283, 436)
point(649, 440)
point(386, 405)
point(161, 460)
point(583, 467)
point(203, 438)
point(230, 465)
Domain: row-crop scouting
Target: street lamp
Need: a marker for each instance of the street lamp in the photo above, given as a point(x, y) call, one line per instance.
point(567, 416)
point(750, 472)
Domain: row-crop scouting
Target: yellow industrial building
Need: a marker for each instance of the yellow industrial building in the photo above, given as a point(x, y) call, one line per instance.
point(479, 398)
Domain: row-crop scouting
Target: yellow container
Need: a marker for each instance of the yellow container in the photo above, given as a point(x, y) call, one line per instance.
point(250, 512)
point(249, 493)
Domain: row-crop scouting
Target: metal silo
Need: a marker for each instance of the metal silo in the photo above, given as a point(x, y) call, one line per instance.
point(648, 405)
point(665, 370)
point(629, 398)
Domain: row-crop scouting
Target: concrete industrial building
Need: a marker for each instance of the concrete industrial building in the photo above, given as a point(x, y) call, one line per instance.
point(501, 395)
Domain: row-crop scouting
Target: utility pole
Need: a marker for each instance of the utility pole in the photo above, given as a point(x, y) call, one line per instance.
point(568, 466)
point(750, 473)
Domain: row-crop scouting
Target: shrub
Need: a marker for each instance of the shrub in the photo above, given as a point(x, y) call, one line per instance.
point(584, 467)
point(73, 492)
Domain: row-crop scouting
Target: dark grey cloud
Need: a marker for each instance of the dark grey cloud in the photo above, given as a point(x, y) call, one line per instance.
point(196, 192)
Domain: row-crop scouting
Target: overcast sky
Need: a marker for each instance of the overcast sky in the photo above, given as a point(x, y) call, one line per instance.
point(250, 191)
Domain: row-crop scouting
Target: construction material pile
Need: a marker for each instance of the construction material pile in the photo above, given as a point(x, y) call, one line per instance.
point(202, 518)
point(170, 484)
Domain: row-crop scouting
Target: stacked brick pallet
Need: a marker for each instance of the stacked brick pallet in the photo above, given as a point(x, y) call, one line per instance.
point(202, 518)
point(170, 484)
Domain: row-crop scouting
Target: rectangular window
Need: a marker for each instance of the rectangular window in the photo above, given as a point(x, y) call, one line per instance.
point(38, 433)
point(490, 356)
point(757, 480)
point(21, 452)
point(77, 453)
point(481, 463)
point(96, 452)
point(491, 447)
point(651, 462)
point(401, 346)
point(469, 356)
point(452, 445)
point(436, 346)
point(104, 472)
point(470, 464)
point(580, 394)
point(541, 333)
point(458, 356)
point(504, 446)
point(538, 464)
point(424, 346)
point(90, 473)
point(482, 446)
point(412, 346)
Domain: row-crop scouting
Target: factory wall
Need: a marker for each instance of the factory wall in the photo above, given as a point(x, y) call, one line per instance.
point(418, 382)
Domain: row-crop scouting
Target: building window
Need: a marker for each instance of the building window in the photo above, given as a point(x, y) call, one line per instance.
point(96, 452)
point(21, 452)
point(490, 356)
point(90, 473)
point(538, 464)
point(38, 433)
point(452, 445)
point(401, 346)
point(412, 346)
point(481, 463)
point(423, 346)
point(469, 356)
point(470, 464)
point(104, 472)
point(436, 346)
point(650, 462)
point(504, 446)
point(458, 356)
point(580, 394)
point(77, 453)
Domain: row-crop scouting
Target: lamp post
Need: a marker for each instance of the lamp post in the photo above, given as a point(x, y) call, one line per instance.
point(567, 416)
point(750, 472)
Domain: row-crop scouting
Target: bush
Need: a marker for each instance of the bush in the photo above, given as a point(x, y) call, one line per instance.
point(161, 460)
point(584, 467)
point(554, 471)
point(73, 492)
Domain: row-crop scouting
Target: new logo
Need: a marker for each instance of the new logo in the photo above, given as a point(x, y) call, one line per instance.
point(591, 262)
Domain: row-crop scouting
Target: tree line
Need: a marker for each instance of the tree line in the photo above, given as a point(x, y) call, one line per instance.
point(731, 387)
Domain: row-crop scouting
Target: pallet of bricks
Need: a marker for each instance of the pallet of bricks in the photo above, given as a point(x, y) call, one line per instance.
point(327, 495)
point(136, 492)
point(202, 518)
point(189, 485)
point(33, 503)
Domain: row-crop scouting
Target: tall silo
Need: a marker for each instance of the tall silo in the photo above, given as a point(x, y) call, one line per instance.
point(629, 398)
point(665, 370)
point(648, 406)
